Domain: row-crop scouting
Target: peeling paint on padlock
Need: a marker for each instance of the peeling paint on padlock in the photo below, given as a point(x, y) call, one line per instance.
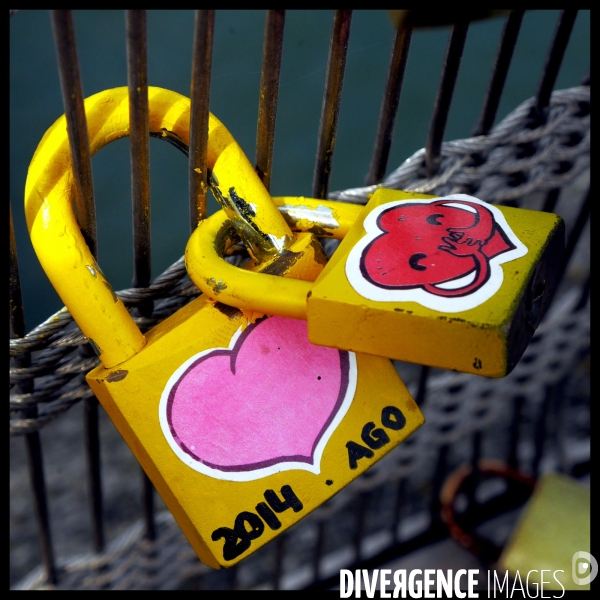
point(117, 375)
point(258, 239)
point(312, 458)
point(53, 227)
point(490, 293)
point(240, 422)
point(217, 286)
point(307, 218)
point(286, 260)
point(324, 218)
point(491, 255)
point(231, 311)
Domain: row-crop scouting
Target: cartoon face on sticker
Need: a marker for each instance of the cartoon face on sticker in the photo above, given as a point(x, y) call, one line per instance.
point(268, 403)
point(446, 253)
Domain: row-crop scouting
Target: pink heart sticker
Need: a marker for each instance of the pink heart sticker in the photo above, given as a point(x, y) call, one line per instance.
point(268, 403)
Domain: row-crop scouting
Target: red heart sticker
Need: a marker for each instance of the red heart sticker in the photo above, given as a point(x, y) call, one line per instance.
point(268, 403)
point(445, 254)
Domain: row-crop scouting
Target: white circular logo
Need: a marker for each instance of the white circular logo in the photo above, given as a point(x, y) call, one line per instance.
point(584, 562)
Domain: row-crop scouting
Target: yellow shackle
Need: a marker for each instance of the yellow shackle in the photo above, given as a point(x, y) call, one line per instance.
point(55, 234)
point(256, 291)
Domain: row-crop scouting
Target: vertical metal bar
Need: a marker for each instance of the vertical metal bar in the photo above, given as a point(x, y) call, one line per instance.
point(336, 64)
point(443, 99)
point(279, 553)
point(148, 507)
point(38, 483)
point(32, 440)
point(318, 550)
point(269, 90)
point(476, 442)
point(92, 446)
point(540, 428)
point(582, 217)
point(422, 389)
point(439, 475)
point(359, 531)
point(559, 433)
point(17, 315)
point(204, 22)
point(389, 105)
point(400, 496)
point(573, 237)
point(512, 455)
point(137, 78)
point(585, 80)
point(554, 60)
point(508, 40)
point(233, 579)
point(585, 294)
point(72, 93)
point(551, 200)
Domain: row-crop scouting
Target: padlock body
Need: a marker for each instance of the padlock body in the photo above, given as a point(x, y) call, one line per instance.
point(454, 284)
point(227, 511)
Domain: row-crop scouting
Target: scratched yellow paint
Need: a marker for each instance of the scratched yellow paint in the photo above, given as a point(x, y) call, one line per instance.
point(472, 341)
point(53, 227)
point(202, 504)
point(131, 392)
point(486, 339)
point(136, 369)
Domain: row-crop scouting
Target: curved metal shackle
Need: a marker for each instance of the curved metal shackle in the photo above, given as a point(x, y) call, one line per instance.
point(253, 290)
point(52, 223)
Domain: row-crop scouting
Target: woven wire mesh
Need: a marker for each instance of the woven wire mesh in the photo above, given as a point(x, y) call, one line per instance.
point(56, 368)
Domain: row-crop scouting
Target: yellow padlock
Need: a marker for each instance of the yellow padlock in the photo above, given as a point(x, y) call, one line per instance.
point(242, 425)
point(553, 533)
point(449, 282)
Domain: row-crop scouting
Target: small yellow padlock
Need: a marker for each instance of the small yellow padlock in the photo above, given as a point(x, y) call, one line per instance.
point(449, 282)
point(243, 426)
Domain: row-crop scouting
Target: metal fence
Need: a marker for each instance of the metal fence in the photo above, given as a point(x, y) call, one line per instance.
point(533, 420)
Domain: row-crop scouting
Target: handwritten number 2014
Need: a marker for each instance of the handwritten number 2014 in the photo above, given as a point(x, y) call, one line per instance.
point(248, 526)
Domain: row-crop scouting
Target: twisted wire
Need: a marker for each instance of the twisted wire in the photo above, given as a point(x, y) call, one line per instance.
point(547, 155)
point(556, 152)
point(487, 165)
point(132, 562)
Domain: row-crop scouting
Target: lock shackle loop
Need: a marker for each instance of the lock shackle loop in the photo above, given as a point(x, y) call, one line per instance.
point(52, 223)
point(256, 291)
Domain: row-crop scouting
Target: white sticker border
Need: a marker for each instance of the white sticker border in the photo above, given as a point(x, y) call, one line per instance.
point(265, 471)
point(443, 304)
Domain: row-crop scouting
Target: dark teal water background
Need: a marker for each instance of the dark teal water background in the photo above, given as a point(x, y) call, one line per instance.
point(35, 103)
